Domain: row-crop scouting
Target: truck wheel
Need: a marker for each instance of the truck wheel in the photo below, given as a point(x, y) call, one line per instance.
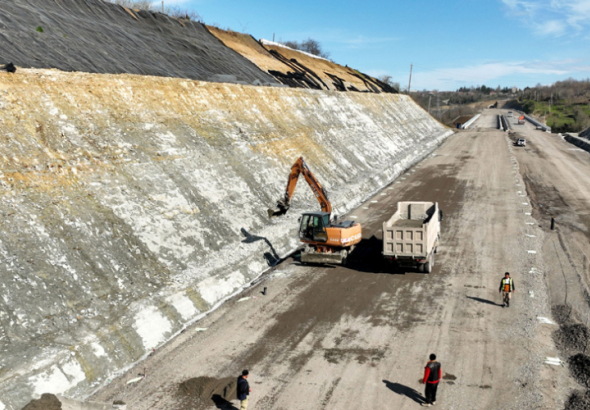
point(428, 265)
point(421, 267)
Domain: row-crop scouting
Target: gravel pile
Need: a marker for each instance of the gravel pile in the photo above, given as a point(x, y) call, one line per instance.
point(563, 314)
point(572, 339)
point(46, 402)
point(580, 368)
point(204, 391)
point(578, 400)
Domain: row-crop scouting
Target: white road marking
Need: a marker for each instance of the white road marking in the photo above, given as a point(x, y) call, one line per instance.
point(555, 361)
point(353, 216)
point(365, 207)
point(533, 252)
point(524, 203)
point(374, 202)
point(545, 320)
point(529, 223)
point(530, 236)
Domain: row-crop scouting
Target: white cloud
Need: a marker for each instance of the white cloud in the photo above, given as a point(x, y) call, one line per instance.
point(551, 17)
point(506, 73)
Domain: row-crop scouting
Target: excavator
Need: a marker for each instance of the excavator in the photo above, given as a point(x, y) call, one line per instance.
point(325, 239)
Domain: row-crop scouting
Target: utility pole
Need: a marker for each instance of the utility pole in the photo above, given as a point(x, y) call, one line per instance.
point(410, 82)
point(162, 6)
point(429, 98)
point(273, 37)
point(550, 102)
point(437, 106)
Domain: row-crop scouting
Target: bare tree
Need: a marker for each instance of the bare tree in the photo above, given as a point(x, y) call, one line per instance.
point(387, 79)
point(310, 46)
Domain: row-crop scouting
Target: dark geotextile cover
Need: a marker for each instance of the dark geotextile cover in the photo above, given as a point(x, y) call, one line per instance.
point(100, 37)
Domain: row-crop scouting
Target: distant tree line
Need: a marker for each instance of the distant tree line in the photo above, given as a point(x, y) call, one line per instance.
point(565, 105)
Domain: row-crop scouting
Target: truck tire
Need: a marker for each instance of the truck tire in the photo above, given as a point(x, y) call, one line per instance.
point(421, 267)
point(429, 265)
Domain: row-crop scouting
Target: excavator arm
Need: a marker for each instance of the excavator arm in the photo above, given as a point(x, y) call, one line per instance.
point(300, 167)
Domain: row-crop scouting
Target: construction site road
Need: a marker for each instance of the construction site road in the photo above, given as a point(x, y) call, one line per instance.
point(358, 337)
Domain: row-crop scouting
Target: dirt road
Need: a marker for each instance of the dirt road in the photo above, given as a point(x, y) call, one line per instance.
point(358, 337)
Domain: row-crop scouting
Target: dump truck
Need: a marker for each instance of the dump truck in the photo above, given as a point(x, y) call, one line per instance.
point(411, 236)
point(324, 238)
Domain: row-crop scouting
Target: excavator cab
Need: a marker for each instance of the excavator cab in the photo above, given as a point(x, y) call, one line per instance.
point(313, 226)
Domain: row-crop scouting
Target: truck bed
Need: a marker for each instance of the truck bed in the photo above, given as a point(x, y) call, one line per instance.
point(408, 223)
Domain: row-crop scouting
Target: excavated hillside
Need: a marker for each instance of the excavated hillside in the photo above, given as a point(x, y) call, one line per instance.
point(131, 205)
point(298, 69)
point(99, 37)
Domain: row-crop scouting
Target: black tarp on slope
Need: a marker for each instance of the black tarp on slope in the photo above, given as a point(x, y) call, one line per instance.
point(100, 37)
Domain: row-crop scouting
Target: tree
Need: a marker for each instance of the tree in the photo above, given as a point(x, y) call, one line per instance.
point(310, 46)
point(387, 79)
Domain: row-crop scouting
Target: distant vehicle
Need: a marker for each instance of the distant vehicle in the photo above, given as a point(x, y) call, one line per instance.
point(521, 142)
point(411, 236)
point(509, 113)
point(521, 120)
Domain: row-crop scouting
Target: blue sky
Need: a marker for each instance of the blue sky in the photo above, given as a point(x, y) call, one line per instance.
point(451, 43)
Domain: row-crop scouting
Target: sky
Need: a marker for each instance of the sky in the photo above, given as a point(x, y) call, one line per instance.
point(450, 43)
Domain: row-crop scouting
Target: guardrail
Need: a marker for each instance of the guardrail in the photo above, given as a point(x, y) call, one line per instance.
point(507, 126)
point(537, 123)
point(471, 121)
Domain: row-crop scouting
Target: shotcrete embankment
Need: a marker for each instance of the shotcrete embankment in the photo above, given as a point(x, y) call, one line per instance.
point(132, 205)
point(96, 36)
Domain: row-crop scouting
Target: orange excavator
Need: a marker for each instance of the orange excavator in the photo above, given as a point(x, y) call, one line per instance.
point(325, 239)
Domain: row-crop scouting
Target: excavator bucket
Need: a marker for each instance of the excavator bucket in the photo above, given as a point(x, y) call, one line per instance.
point(281, 209)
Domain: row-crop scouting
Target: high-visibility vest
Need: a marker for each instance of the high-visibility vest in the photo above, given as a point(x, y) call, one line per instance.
point(507, 284)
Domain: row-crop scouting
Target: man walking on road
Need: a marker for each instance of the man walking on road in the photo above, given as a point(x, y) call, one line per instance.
point(243, 390)
point(432, 375)
point(506, 288)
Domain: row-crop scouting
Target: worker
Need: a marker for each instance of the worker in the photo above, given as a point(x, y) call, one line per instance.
point(243, 390)
point(432, 375)
point(506, 288)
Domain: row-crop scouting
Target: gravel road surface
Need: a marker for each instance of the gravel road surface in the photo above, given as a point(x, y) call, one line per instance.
point(359, 336)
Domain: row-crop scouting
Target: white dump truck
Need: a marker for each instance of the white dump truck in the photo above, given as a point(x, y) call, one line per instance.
point(411, 236)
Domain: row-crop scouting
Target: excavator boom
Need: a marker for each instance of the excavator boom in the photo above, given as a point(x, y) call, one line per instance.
point(300, 167)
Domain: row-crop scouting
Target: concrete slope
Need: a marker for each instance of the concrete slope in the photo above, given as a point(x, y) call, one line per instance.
point(585, 133)
point(132, 205)
point(298, 69)
point(99, 37)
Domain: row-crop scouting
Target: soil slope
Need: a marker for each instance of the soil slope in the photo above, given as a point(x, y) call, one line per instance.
point(297, 69)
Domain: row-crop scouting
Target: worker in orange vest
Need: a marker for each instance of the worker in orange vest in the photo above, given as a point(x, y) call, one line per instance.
point(506, 288)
